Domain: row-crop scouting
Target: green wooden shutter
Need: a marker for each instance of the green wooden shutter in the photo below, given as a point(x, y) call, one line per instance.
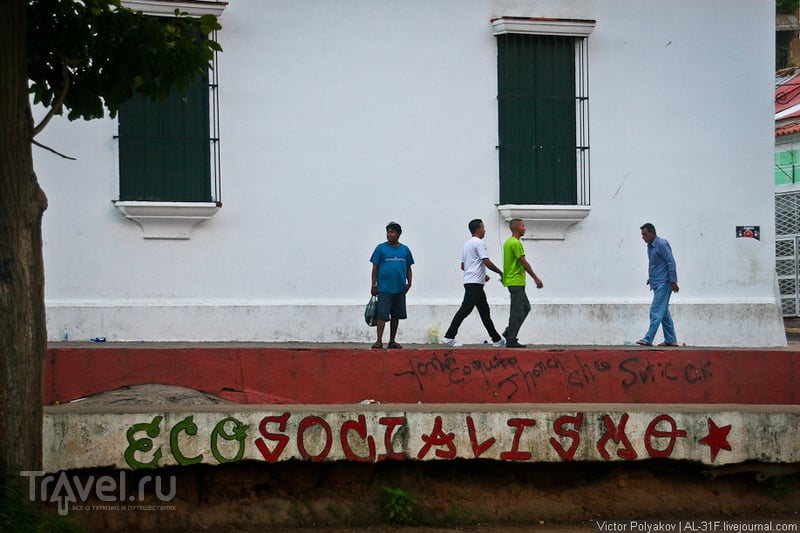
point(164, 148)
point(537, 119)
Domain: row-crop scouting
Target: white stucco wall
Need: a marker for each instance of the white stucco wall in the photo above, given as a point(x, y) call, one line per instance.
point(337, 117)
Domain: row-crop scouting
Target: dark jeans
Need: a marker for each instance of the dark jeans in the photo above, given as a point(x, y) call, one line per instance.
point(473, 297)
point(520, 307)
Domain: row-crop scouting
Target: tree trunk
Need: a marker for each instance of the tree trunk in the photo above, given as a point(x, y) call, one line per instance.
point(23, 337)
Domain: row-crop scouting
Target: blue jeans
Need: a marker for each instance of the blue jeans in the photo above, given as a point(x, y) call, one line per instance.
point(660, 316)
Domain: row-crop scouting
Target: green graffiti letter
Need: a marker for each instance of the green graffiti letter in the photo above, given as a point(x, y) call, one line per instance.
point(187, 425)
point(239, 434)
point(143, 445)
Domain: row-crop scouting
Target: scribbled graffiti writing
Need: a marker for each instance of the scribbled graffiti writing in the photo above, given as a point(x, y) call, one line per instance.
point(511, 379)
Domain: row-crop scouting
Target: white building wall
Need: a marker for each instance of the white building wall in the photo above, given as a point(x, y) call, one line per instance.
point(337, 117)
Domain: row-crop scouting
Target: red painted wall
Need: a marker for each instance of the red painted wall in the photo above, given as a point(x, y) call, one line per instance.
point(267, 375)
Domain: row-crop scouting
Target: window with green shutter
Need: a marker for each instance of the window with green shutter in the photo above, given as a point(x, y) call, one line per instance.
point(169, 153)
point(165, 148)
point(543, 147)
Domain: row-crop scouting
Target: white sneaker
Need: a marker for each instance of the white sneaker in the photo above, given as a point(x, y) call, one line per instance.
point(451, 342)
point(501, 342)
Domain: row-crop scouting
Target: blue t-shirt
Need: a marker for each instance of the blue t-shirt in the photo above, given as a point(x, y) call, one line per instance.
point(662, 265)
point(393, 263)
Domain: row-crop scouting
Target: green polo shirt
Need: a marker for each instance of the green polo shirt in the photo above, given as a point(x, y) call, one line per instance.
point(513, 271)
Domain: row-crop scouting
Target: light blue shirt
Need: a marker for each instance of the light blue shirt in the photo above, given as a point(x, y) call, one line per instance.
point(662, 267)
point(393, 263)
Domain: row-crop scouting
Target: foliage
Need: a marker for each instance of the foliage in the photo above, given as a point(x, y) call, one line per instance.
point(399, 506)
point(22, 516)
point(335, 510)
point(783, 486)
point(84, 55)
point(786, 6)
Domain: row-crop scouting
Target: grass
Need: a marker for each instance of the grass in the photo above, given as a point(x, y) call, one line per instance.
point(19, 514)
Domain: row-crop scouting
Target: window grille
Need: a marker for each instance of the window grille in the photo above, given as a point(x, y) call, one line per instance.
point(170, 152)
point(787, 230)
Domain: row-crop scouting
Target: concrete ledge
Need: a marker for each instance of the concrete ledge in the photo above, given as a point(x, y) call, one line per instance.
point(349, 374)
point(136, 437)
point(753, 323)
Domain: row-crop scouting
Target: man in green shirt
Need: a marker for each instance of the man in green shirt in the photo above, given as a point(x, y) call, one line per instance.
point(514, 268)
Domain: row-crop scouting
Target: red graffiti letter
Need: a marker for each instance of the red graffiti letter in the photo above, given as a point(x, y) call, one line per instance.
point(617, 435)
point(438, 438)
point(306, 423)
point(515, 454)
point(672, 434)
point(282, 440)
point(391, 422)
point(558, 427)
point(360, 428)
point(478, 449)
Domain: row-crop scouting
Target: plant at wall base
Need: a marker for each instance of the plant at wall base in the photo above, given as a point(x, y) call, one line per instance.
point(783, 486)
point(335, 510)
point(20, 515)
point(458, 515)
point(399, 506)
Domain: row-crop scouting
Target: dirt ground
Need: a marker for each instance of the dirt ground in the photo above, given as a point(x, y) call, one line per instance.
point(460, 495)
point(438, 496)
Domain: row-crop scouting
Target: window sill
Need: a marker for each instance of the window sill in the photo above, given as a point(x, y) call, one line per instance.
point(164, 8)
point(167, 220)
point(545, 222)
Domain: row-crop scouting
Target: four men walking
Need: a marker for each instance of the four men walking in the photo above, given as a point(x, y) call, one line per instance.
point(391, 280)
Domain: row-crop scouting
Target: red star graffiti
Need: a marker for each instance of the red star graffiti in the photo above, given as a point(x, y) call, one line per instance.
point(717, 438)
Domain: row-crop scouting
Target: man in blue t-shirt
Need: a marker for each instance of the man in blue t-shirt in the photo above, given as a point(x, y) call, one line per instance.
point(662, 277)
point(391, 280)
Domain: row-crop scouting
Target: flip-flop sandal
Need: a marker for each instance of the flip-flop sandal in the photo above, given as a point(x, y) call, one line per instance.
point(394, 346)
point(668, 344)
point(377, 346)
point(641, 342)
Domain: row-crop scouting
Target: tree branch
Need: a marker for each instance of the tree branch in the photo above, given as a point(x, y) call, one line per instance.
point(57, 103)
point(40, 145)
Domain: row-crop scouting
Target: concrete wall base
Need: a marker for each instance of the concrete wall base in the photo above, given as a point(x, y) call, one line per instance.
point(740, 324)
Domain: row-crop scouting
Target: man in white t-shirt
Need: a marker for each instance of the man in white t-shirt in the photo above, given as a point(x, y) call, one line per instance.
point(474, 262)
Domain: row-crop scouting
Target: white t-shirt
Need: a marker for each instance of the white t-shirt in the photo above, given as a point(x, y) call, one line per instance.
point(474, 253)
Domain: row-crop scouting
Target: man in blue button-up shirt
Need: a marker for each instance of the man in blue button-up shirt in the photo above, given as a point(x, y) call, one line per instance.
point(663, 280)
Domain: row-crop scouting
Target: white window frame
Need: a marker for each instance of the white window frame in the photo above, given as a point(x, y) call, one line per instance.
point(170, 220)
point(549, 222)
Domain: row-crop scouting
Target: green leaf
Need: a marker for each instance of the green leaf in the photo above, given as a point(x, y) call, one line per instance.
point(111, 53)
